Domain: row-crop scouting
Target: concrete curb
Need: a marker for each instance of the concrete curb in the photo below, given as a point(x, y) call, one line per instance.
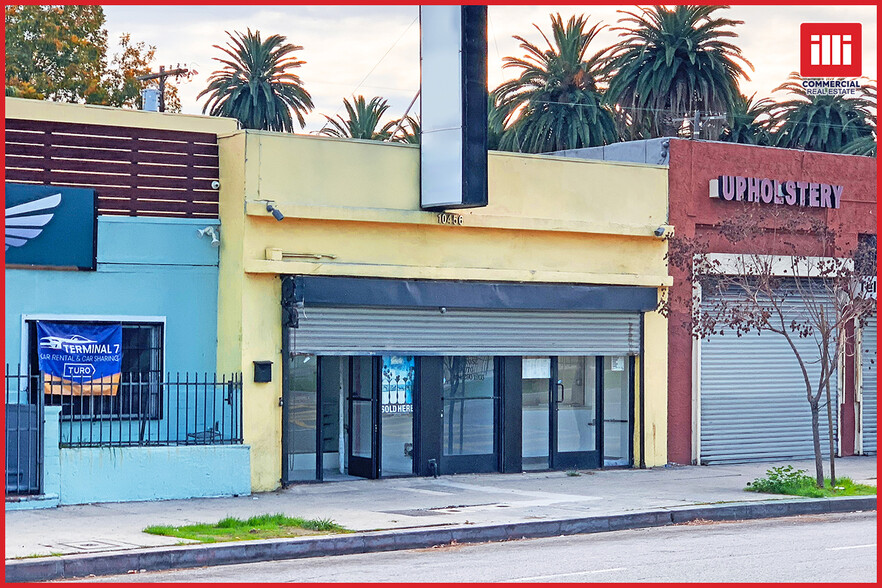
point(170, 558)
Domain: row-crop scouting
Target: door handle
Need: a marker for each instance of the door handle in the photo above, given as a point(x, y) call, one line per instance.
point(560, 391)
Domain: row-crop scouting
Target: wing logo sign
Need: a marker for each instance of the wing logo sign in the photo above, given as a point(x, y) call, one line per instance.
point(26, 221)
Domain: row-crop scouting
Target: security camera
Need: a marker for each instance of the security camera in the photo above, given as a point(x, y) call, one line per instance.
point(215, 185)
point(277, 214)
point(212, 232)
point(664, 231)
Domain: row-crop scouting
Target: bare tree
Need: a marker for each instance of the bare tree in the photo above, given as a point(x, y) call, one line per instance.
point(793, 276)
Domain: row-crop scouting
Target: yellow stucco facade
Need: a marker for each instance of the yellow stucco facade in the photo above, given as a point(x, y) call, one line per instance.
point(46, 110)
point(352, 209)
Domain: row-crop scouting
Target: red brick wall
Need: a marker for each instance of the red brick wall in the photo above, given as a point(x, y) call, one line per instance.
point(691, 211)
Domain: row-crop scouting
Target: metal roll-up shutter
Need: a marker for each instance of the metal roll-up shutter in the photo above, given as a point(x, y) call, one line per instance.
point(359, 331)
point(868, 386)
point(753, 399)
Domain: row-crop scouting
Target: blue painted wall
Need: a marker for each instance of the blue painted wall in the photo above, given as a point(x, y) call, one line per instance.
point(146, 267)
point(153, 473)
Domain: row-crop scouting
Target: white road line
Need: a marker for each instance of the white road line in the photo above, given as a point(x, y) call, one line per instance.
point(533, 578)
point(851, 547)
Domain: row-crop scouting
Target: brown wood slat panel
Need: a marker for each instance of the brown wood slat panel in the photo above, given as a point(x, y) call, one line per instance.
point(96, 142)
point(149, 147)
point(101, 155)
point(91, 166)
point(179, 182)
point(18, 175)
point(70, 152)
point(119, 167)
point(188, 207)
point(84, 178)
point(148, 194)
point(133, 171)
point(109, 189)
point(110, 130)
point(17, 137)
point(15, 161)
point(124, 144)
point(98, 180)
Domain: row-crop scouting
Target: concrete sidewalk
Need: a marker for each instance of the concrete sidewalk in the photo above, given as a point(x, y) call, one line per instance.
point(449, 502)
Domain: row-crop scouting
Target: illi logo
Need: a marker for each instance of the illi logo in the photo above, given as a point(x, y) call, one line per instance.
point(830, 50)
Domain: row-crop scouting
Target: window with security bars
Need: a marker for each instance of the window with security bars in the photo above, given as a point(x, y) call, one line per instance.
point(138, 393)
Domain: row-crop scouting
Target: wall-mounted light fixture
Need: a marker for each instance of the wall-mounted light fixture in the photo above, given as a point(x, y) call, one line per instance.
point(212, 232)
point(277, 214)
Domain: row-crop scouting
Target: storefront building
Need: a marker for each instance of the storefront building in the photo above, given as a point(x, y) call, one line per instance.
point(735, 399)
point(103, 206)
point(380, 340)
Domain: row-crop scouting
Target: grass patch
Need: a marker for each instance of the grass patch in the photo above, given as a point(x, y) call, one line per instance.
point(266, 526)
point(35, 555)
point(786, 480)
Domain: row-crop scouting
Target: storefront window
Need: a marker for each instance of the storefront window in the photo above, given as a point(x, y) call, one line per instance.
point(396, 410)
point(469, 406)
point(535, 444)
point(300, 418)
point(616, 411)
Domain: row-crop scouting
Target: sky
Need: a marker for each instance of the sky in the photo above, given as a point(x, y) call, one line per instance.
point(374, 50)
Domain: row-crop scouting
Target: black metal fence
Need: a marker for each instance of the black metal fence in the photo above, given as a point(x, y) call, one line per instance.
point(140, 409)
point(24, 435)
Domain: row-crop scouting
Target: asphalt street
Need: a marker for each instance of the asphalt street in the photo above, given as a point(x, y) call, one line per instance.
point(816, 548)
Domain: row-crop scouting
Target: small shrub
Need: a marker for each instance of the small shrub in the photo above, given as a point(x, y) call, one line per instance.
point(787, 480)
point(782, 480)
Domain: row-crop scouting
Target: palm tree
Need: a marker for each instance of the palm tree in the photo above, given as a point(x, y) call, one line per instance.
point(556, 101)
point(748, 121)
point(495, 121)
point(406, 130)
point(363, 120)
point(865, 145)
point(672, 62)
point(824, 122)
point(255, 85)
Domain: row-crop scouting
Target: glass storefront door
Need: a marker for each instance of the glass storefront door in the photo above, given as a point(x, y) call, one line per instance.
point(575, 432)
point(559, 419)
point(469, 408)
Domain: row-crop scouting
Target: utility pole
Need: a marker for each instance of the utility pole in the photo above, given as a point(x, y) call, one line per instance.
point(161, 76)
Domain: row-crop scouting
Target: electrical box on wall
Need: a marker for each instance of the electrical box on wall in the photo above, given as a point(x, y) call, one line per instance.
point(263, 372)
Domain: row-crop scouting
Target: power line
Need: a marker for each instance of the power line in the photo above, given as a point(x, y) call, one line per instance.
point(678, 114)
point(375, 66)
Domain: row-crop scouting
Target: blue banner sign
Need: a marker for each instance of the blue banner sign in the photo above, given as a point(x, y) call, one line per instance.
point(50, 226)
point(79, 358)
